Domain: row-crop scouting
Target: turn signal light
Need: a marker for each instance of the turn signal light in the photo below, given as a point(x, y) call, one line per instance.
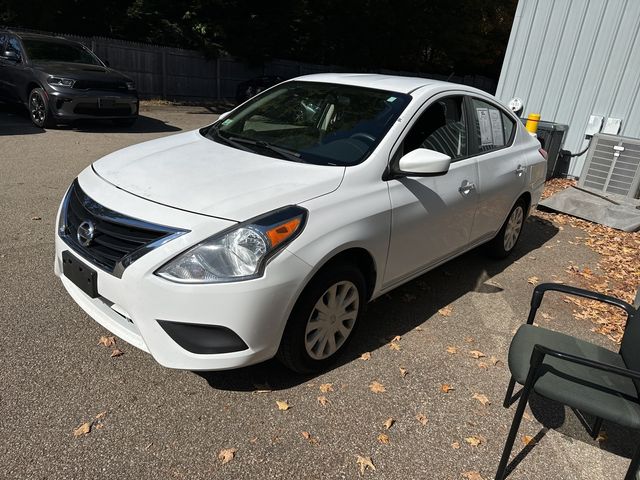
point(279, 234)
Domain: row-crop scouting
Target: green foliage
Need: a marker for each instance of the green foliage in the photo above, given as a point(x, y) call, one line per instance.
point(438, 36)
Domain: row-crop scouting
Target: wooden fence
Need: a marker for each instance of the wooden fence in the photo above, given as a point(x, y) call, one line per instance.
point(178, 74)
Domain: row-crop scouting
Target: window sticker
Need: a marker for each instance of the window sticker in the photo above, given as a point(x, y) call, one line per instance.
point(391, 99)
point(484, 122)
point(496, 127)
point(227, 122)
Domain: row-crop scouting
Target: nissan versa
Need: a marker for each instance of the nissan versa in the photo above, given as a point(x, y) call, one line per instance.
point(266, 233)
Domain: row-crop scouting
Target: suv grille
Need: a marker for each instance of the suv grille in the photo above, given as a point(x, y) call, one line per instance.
point(116, 240)
point(100, 85)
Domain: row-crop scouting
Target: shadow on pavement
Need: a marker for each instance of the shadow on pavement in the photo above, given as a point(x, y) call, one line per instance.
point(430, 292)
point(14, 121)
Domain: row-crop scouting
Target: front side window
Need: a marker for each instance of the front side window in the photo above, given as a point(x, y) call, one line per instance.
point(14, 45)
point(310, 122)
point(493, 128)
point(51, 51)
point(441, 127)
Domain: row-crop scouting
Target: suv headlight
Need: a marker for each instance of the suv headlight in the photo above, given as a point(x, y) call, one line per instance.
point(239, 253)
point(61, 82)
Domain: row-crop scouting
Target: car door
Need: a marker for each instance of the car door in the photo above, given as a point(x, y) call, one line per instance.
point(432, 217)
point(15, 73)
point(501, 167)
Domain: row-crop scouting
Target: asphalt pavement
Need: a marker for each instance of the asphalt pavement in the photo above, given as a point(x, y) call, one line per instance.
point(156, 423)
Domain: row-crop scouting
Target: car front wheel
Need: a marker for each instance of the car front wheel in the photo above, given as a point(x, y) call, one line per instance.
point(323, 319)
point(504, 243)
point(39, 111)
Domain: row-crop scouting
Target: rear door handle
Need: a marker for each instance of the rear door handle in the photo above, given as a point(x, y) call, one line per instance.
point(520, 170)
point(467, 187)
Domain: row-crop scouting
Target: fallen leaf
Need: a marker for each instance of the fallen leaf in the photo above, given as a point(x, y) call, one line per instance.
point(365, 356)
point(455, 445)
point(364, 463)
point(323, 400)
point(477, 354)
point(101, 415)
point(546, 316)
point(419, 329)
point(388, 423)
point(494, 361)
point(469, 340)
point(116, 352)
point(527, 439)
point(473, 440)
point(472, 475)
point(533, 280)
point(422, 418)
point(602, 436)
point(282, 405)
point(253, 440)
point(452, 350)
point(481, 398)
point(377, 387)
point(446, 388)
point(83, 429)
point(99, 426)
point(36, 218)
point(226, 455)
point(394, 346)
point(326, 387)
point(396, 338)
point(307, 436)
point(403, 372)
point(107, 341)
point(446, 311)
point(383, 438)
point(483, 365)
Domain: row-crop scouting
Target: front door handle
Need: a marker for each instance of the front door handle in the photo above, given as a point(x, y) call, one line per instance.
point(467, 187)
point(520, 170)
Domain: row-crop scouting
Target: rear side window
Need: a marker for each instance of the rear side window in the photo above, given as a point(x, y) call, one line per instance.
point(441, 127)
point(3, 40)
point(493, 129)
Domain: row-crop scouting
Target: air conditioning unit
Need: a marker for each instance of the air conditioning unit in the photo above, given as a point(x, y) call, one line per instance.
point(612, 166)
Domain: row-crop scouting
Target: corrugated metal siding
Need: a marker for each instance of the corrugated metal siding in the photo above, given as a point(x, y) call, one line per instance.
point(569, 59)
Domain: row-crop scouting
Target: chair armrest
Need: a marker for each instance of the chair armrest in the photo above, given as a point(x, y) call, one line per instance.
point(539, 291)
point(540, 351)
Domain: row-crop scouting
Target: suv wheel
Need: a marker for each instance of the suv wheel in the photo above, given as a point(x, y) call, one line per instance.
point(323, 320)
point(504, 243)
point(39, 111)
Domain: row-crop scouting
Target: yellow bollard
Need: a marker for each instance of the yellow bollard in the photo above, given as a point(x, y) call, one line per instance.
point(532, 123)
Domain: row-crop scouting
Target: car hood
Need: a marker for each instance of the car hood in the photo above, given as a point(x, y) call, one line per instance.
point(78, 71)
point(192, 173)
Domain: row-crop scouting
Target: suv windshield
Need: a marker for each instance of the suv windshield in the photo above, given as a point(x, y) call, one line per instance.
point(58, 52)
point(321, 123)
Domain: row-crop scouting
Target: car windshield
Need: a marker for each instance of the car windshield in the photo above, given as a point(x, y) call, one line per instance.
point(309, 122)
point(58, 52)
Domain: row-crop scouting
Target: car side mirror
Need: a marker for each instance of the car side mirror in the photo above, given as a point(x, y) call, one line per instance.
point(423, 162)
point(11, 56)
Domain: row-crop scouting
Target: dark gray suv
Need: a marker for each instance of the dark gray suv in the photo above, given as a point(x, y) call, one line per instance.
point(60, 81)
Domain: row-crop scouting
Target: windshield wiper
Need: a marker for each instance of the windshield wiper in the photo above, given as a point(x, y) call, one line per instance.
point(229, 141)
point(283, 152)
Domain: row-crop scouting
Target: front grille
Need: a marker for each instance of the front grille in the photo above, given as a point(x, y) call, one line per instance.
point(117, 240)
point(110, 86)
point(118, 110)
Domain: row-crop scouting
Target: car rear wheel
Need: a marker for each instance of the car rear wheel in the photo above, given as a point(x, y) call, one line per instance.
point(504, 243)
point(323, 320)
point(39, 111)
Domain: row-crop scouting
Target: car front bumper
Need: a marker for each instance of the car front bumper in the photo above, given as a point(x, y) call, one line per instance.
point(131, 307)
point(73, 105)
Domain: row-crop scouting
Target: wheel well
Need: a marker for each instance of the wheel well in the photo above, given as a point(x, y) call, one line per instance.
point(363, 260)
point(30, 87)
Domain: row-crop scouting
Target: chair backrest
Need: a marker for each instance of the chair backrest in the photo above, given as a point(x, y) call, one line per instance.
point(630, 348)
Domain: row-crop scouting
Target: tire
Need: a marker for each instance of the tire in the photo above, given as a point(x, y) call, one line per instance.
point(507, 238)
point(303, 348)
point(125, 122)
point(39, 111)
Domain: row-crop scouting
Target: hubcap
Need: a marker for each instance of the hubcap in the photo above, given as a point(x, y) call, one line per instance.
point(37, 108)
point(332, 320)
point(514, 226)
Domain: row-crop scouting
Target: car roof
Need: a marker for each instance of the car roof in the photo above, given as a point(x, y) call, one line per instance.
point(392, 83)
point(39, 36)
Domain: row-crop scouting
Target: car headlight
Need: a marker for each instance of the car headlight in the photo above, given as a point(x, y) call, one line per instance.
point(131, 86)
point(239, 253)
point(62, 82)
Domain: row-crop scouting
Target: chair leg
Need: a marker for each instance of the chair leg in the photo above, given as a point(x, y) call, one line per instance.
point(515, 425)
point(634, 468)
point(509, 395)
point(597, 426)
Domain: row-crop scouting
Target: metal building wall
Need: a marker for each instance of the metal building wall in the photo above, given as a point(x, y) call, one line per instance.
point(569, 59)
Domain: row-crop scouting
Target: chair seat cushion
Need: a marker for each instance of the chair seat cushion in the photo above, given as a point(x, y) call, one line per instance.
point(605, 395)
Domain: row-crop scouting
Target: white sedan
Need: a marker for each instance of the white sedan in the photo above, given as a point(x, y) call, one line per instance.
point(266, 233)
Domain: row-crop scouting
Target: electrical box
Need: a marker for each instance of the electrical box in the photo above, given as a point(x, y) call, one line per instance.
point(594, 126)
point(612, 126)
